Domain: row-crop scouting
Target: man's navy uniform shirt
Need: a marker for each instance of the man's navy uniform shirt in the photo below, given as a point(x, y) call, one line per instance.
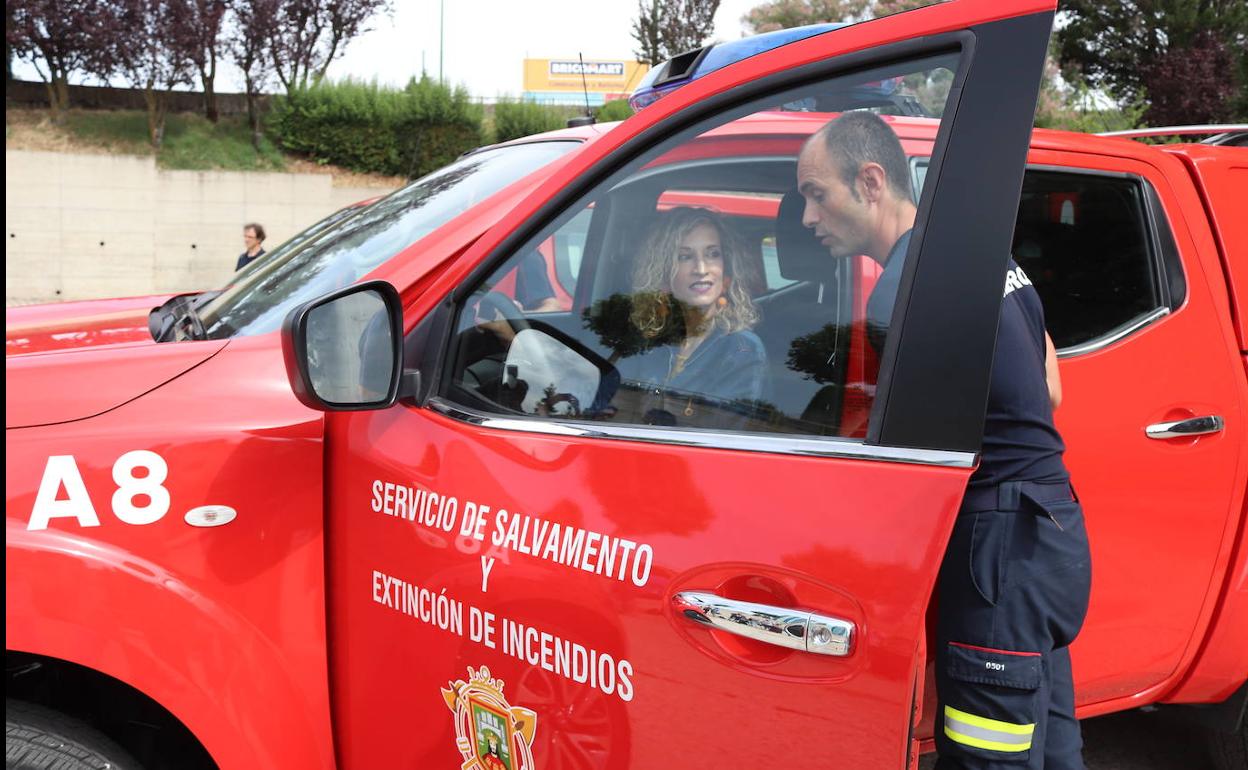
point(532, 283)
point(1020, 441)
point(246, 259)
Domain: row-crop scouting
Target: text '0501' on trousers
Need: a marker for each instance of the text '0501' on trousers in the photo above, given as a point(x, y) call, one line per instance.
point(1012, 596)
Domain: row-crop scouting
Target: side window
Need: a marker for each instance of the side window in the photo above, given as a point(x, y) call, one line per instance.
point(568, 248)
point(1083, 240)
point(544, 279)
point(918, 172)
point(720, 281)
point(771, 264)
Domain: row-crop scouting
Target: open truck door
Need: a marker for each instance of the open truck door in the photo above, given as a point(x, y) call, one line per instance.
point(535, 563)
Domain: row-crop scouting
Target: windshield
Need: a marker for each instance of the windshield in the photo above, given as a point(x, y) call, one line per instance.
point(295, 242)
point(258, 301)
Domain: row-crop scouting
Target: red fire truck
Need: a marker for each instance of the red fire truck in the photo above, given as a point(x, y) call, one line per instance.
point(365, 509)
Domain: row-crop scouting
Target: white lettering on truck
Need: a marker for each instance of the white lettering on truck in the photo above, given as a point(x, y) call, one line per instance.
point(138, 499)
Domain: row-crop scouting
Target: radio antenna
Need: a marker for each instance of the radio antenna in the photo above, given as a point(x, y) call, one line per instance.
point(584, 84)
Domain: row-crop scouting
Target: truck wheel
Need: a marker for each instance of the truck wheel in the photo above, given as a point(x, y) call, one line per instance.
point(37, 738)
point(1229, 749)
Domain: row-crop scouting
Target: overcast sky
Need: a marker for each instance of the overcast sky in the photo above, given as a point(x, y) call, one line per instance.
point(486, 41)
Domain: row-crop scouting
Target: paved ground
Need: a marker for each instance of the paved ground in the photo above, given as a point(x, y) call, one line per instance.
point(1137, 741)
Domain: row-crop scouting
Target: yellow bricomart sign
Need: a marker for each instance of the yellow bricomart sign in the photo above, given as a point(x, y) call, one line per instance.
point(614, 77)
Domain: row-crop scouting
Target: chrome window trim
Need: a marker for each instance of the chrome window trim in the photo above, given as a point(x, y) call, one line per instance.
point(1123, 331)
point(1084, 171)
point(771, 443)
point(1202, 128)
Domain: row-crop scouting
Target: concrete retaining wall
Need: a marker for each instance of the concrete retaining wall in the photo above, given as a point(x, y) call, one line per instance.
point(94, 226)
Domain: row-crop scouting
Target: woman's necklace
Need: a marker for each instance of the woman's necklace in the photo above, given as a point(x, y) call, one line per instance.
point(679, 360)
point(678, 363)
point(682, 356)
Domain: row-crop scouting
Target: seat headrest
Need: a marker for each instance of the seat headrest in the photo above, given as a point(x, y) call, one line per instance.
point(802, 257)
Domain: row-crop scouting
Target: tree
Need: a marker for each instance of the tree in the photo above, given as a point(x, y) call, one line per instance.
point(1063, 103)
point(293, 40)
point(247, 45)
point(889, 7)
point(58, 39)
point(647, 31)
point(151, 49)
point(308, 35)
point(1130, 47)
point(203, 26)
point(667, 28)
point(687, 24)
point(8, 45)
point(808, 353)
point(612, 320)
point(1173, 100)
point(783, 14)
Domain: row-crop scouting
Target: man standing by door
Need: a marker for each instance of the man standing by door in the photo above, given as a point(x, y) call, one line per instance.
point(253, 237)
point(1013, 588)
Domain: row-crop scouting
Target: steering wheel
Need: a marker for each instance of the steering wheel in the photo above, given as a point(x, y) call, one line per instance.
point(507, 309)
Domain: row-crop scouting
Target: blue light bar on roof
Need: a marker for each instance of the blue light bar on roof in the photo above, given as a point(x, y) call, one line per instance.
point(687, 67)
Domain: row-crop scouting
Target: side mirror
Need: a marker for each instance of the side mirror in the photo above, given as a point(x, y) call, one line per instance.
point(343, 351)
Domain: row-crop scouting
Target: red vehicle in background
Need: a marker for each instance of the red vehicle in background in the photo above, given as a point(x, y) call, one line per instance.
point(457, 542)
point(66, 325)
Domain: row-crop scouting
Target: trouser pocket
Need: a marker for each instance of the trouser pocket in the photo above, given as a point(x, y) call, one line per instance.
point(990, 703)
point(1054, 573)
point(989, 553)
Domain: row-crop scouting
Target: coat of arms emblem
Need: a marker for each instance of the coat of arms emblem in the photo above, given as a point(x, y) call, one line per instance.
point(491, 734)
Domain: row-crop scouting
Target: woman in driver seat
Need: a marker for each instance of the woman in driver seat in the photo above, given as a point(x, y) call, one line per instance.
point(691, 299)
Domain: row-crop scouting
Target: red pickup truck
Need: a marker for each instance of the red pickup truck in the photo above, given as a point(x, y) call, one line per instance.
point(365, 511)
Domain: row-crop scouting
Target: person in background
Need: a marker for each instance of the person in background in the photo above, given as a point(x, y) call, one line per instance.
point(534, 292)
point(253, 237)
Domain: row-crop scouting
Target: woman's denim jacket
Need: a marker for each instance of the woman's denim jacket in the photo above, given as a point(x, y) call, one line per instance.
point(720, 386)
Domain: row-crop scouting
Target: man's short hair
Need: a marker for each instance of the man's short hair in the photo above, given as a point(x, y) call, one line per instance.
point(860, 137)
point(259, 229)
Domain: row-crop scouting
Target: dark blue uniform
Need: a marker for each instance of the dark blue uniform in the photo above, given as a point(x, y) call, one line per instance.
point(246, 259)
point(532, 283)
point(1013, 587)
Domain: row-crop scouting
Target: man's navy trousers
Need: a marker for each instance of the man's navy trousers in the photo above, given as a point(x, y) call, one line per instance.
point(1012, 595)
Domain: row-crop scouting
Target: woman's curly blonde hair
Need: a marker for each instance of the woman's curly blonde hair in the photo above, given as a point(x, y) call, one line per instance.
point(653, 305)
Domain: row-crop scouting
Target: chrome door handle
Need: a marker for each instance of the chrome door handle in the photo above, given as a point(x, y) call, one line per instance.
point(1193, 426)
point(795, 629)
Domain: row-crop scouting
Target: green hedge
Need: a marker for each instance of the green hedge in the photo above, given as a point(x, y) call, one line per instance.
point(514, 119)
point(517, 118)
point(367, 127)
point(617, 109)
